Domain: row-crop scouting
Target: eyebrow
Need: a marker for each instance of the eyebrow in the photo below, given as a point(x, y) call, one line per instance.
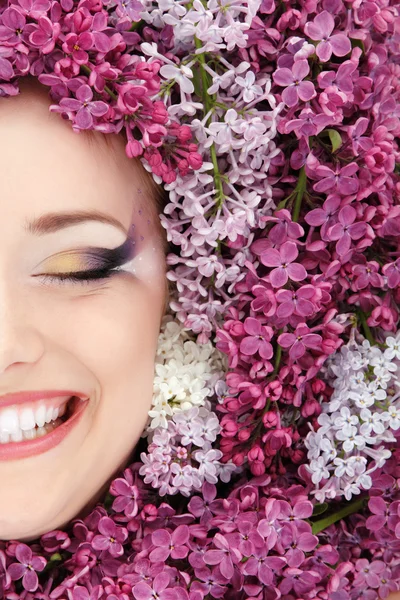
point(52, 222)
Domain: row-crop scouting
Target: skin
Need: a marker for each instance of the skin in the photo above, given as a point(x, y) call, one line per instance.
point(100, 337)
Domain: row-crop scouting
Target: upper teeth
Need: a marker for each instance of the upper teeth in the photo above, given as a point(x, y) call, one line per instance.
point(16, 418)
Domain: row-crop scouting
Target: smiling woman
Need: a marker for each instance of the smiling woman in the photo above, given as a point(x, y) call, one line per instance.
point(82, 295)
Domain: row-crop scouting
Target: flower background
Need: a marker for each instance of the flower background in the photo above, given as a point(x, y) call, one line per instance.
point(270, 464)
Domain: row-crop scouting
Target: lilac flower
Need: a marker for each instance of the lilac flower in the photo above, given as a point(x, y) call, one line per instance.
point(283, 259)
point(292, 80)
point(263, 566)
point(324, 216)
point(296, 544)
point(226, 557)
point(340, 180)
point(392, 271)
point(110, 538)
point(346, 230)
point(127, 495)
point(367, 274)
point(368, 573)
point(296, 302)
point(299, 581)
point(257, 339)
point(355, 133)
point(77, 45)
point(45, 35)
point(84, 107)
point(13, 23)
point(159, 589)
point(300, 341)
point(26, 567)
point(170, 545)
point(321, 29)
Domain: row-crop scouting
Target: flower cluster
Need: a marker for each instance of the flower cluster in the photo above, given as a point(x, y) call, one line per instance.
point(274, 128)
point(361, 417)
point(183, 428)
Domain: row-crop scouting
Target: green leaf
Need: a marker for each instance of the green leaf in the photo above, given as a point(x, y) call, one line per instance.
point(357, 44)
point(320, 508)
point(335, 138)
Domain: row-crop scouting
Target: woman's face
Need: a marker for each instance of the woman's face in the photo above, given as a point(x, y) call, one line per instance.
point(94, 338)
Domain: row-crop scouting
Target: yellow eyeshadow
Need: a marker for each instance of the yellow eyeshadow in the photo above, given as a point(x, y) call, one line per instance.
point(66, 263)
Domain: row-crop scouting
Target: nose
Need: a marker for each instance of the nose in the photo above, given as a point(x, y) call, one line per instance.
point(20, 341)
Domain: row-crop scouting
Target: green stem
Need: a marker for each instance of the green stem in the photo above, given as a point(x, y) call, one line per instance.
point(209, 102)
point(366, 329)
point(86, 70)
point(300, 189)
point(352, 507)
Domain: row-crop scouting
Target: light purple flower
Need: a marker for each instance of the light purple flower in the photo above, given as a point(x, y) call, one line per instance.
point(355, 133)
point(257, 339)
point(292, 81)
point(285, 269)
point(84, 107)
point(367, 274)
point(321, 29)
point(324, 216)
point(368, 573)
point(26, 567)
point(159, 589)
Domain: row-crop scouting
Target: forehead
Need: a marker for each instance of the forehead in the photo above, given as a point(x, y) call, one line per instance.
point(46, 166)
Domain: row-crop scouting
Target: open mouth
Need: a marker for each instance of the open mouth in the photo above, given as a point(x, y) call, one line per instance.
point(36, 432)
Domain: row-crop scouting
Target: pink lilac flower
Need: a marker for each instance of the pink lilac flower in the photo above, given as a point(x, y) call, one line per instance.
point(299, 341)
point(26, 567)
point(292, 80)
point(257, 339)
point(346, 230)
point(170, 545)
point(283, 259)
point(84, 107)
point(321, 29)
point(340, 180)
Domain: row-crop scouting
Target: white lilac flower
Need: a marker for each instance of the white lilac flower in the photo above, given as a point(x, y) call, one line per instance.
point(182, 425)
point(359, 419)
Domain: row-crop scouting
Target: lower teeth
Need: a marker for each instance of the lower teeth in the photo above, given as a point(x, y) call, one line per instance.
point(30, 434)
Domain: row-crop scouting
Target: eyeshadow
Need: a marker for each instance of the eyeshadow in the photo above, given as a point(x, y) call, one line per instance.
point(92, 259)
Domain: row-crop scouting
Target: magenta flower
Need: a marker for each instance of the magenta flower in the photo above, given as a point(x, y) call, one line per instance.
point(257, 339)
point(263, 566)
point(346, 230)
point(392, 272)
point(300, 341)
point(26, 567)
point(367, 275)
point(368, 573)
point(127, 495)
point(84, 107)
point(45, 35)
point(292, 81)
point(110, 538)
point(340, 180)
point(169, 545)
point(159, 589)
point(283, 259)
point(225, 557)
point(355, 133)
point(264, 301)
point(324, 216)
point(77, 45)
point(298, 580)
point(382, 514)
point(296, 544)
point(296, 302)
point(13, 23)
point(321, 29)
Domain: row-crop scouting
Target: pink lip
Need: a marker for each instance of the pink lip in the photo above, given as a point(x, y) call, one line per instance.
point(16, 450)
point(21, 397)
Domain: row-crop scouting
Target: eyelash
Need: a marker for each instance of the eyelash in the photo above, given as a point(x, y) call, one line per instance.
point(82, 277)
